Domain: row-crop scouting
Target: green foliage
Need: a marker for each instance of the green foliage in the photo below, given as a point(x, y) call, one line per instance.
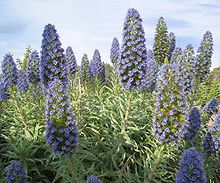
point(116, 142)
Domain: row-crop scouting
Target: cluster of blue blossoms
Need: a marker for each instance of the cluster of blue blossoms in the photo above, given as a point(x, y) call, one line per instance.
point(215, 132)
point(9, 72)
point(97, 68)
point(115, 51)
point(61, 132)
point(71, 61)
point(211, 107)
point(15, 173)
point(191, 167)
point(93, 179)
point(93, 70)
point(208, 144)
point(33, 67)
point(149, 81)
point(176, 55)
point(23, 82)
point(188, 67)
point(194, 125)
point(170, 119)
point(131, 66)
point(53, 62)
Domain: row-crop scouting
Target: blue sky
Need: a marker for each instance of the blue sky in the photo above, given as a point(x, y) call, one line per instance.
point(86, 25)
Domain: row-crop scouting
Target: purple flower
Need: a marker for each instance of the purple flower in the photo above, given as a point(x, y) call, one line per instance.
point(33, 67)
point(171, 106)
point(93, 179)
point(133, 52)
point(208, 144)
point(93, 69)
point(211, 107)
point(176, 55)
point(187, 67)
point(23, 82)
point(60, 122)
point(115, 51)
point(53, 62)
point(150, 78)
point(194, 124)
point(9, 72)
point(71, 61)
point(215, 132)
point(191, 167)
point(16, 173)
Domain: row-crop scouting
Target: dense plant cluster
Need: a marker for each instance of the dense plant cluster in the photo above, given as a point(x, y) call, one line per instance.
point(153, 116)
point(33, 67)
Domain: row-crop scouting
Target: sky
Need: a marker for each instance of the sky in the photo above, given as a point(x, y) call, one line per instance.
point(86, 25)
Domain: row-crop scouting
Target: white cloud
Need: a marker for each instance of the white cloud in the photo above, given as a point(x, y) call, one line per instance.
point(87, 25)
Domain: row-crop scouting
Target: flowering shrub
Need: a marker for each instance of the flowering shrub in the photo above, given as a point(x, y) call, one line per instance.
point(71, 61)
point(208, 144)
point(9, 72)
point(170, 113)
point(115, 51)
point(93, 179)
point(211, 107)
point(194, 124)
point(15, 173)
point(131, 66)
point(23, 83)
point(149, 82)
point(61, 132)
point(33, 67)
point(191, 167)
point(53, 62)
